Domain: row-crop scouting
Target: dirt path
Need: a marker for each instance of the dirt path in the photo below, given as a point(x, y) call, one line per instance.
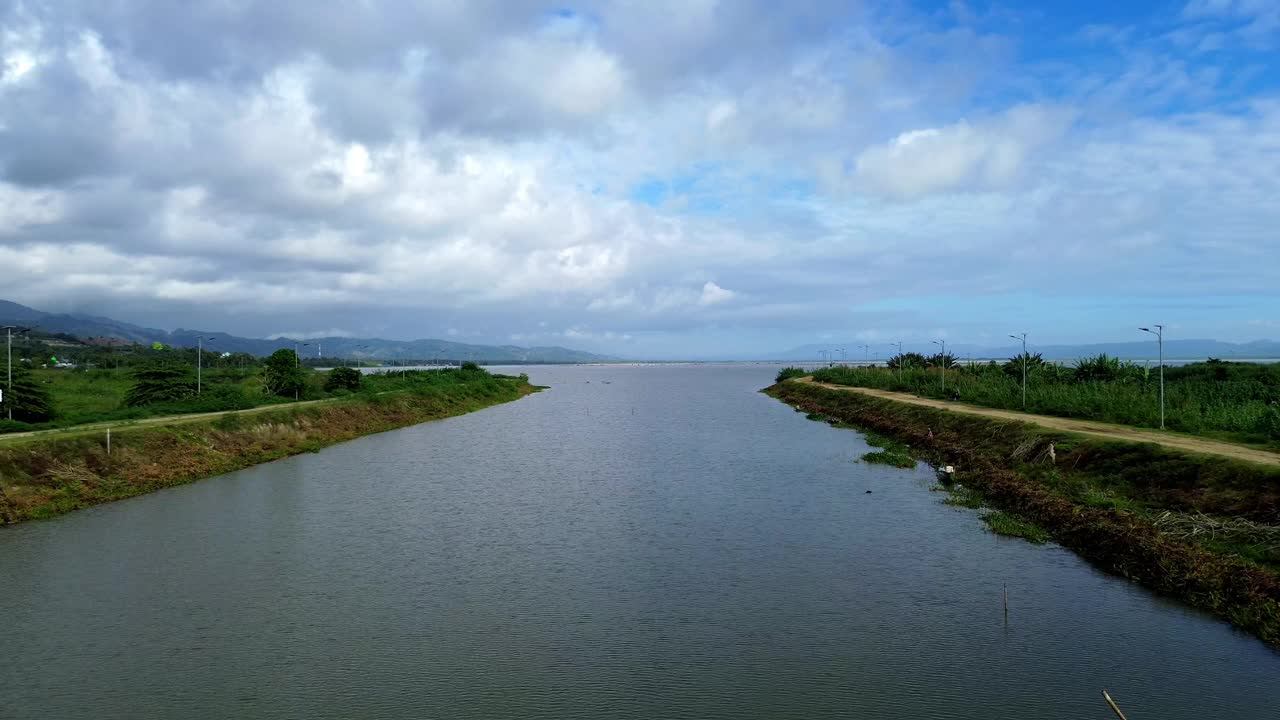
point(1177, 441)
point(161, 420)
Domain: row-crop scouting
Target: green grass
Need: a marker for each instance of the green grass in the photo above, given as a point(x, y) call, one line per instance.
point(1238, 402)
point(1002, 523)
point(888, 457)
point(92, 396)
point(965, 497)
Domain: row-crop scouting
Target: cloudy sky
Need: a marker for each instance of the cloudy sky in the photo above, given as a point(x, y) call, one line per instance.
point(650, 178)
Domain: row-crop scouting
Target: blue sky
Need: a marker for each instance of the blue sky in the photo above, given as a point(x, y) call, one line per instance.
point(663, 179)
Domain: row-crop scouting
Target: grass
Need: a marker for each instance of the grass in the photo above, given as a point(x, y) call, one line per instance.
point(1230, 401)
point(888, 457)
point(1002, 523)
point(965, 497)
point(93, 396)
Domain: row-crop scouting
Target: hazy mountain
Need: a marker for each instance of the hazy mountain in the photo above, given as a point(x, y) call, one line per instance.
point(90, 326)
point(1137, 350)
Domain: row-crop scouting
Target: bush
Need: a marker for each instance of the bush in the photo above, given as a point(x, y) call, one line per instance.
point(12, 426)
point(1268, 423)
point(468, 365)
point(343, 378)
point(787, 373)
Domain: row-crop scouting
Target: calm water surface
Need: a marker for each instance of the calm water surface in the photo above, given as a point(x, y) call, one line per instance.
point(635, 542)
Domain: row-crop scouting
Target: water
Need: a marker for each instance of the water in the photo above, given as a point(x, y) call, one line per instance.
point(637, 542)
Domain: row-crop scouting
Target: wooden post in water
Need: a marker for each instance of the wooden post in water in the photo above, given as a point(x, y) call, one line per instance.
point(1115, 708)
point(1006, 598)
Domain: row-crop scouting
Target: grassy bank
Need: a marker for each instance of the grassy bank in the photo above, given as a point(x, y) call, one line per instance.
point(1197, 528)
point(48, 476)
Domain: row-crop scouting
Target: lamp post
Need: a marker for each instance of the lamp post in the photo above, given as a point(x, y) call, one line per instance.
point(8, 387)
point(1159, 333)
point(899, 346)
point(200, 362)
point(866, 354)
point(942, 363)
point(297, 363)
point(1024, 368)
point(358, 362)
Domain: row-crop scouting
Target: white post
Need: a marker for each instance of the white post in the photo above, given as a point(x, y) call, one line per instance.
point(1160, 340)
point(9, 384)
point(199, 363)
point(108, 441)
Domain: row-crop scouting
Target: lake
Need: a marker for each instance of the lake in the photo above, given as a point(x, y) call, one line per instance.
point(635, 542)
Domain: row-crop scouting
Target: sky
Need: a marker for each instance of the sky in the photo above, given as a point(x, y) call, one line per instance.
point(646, 178)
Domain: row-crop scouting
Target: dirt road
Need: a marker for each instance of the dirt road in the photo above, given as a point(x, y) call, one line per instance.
point(1177, 441)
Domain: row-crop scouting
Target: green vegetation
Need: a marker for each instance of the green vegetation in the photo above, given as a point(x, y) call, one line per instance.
point(52, 474)
point(1002, 523)
point(343, 378)
point(1230, 401)
point(160, 383)
point(28, 400)
point(161, 386)
point(1204, 529)
point(888, 457)
point(787, 373)
point(282, 375)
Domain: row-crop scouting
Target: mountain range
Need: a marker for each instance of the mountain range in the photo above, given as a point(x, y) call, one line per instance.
point(93, 327)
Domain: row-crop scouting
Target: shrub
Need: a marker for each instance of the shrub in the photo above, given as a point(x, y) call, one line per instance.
point(343, 378)
point(787, 373)
point(1268, 423)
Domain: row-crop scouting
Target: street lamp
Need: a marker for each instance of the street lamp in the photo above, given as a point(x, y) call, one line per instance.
point(942, 363)
point(297, 363)
point(1159, 333)
point(1024, 368)
point(359, 347)
point(899, 346)
point(8, 329)
point(200, 361)
point(866, 354)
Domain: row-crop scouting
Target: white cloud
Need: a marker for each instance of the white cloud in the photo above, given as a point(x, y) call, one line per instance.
point(713, 294)
point(961, 157)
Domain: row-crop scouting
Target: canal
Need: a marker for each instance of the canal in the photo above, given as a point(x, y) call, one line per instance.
point(635, 542)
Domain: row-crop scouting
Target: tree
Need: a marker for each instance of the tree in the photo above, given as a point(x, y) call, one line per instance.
point(906, 361)
point(160, 383)
point(942, 360)
point(281, 374)
point(343, 378)
point(1033, 361)
point(28, 399)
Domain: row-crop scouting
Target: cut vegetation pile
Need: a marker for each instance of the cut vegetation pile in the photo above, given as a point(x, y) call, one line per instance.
point(1118, 505)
